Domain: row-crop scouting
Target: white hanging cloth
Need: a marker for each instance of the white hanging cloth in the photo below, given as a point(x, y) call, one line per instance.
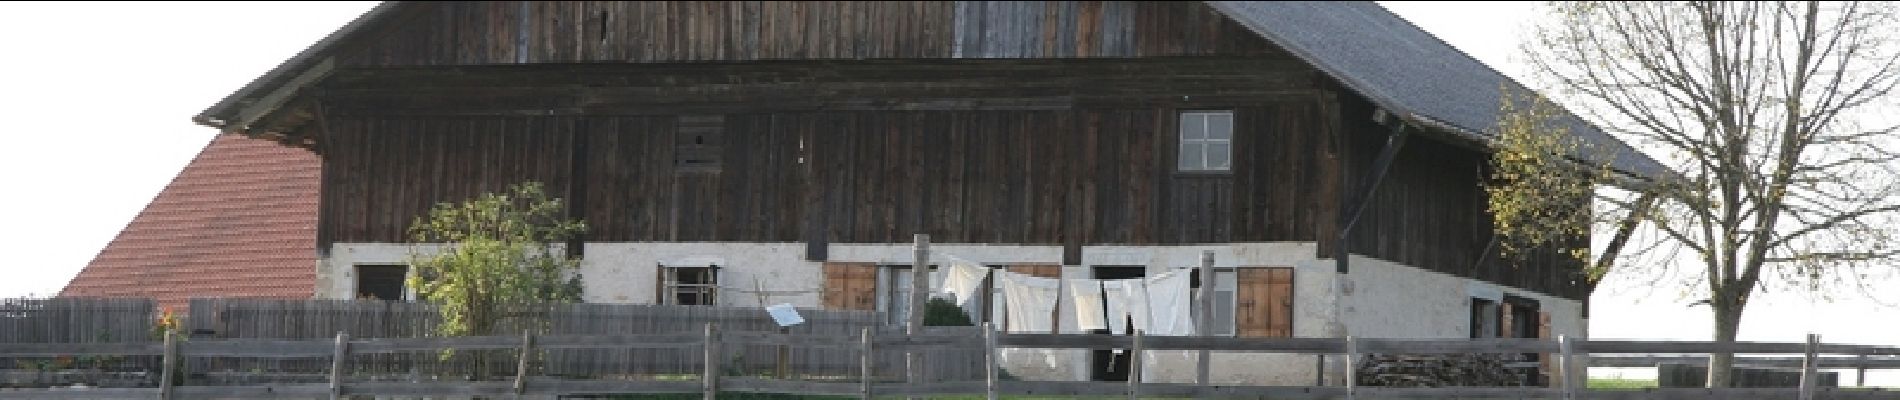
point(1169, 309)
point(962, 281)
point(1030, 301)
point(1085, 299)
point(1126, 302)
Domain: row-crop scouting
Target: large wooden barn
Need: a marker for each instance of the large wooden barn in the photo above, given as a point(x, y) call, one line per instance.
point(739, 153)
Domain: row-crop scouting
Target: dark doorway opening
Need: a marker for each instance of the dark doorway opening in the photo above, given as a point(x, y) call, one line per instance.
point(1112, 365)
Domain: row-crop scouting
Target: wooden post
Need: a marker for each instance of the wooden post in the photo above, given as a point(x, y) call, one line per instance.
point(1205, 318)
point(1352, 374)
point(521, 362)
point(866, 359)
point(1808, 377)
point(990, 361)
point(1134, 368)
point(1319, 370)
point(1564, 366)
point(1860, 370)
point(919, 293)
point(337, 357)
point(709, 377)
point(782, 366)
point(171, 366)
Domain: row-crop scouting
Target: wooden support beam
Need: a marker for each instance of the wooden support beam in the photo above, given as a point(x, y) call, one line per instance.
point(1567, 369)
point(1356, 204)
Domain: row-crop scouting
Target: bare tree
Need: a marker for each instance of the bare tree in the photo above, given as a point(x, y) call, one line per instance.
point(1764, 108)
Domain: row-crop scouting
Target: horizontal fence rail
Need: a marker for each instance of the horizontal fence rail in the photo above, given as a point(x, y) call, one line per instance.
point(868, 378)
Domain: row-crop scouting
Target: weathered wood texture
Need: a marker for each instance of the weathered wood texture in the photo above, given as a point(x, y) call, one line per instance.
point(975, 122)
point(1100, 175)
point(1430, 212)
point(506, 32)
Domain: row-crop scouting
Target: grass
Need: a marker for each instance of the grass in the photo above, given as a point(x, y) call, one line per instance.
point(1618, 383)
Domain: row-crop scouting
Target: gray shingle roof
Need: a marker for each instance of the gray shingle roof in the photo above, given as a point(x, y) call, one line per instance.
point(1407, 70)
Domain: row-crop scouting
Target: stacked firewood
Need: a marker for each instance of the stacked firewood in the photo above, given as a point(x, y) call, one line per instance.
point(1436, 370)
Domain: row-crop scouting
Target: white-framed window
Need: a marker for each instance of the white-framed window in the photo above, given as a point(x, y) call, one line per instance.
point(1225, 283)
point(1207, 141)
point(690, 285)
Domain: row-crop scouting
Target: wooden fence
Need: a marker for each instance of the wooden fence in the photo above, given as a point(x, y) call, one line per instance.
point(324, 319)
point(531, 378)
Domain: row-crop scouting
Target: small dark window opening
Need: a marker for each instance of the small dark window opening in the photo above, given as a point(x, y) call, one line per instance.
point(692, 286)
point(1484, 318)
point(380, 282)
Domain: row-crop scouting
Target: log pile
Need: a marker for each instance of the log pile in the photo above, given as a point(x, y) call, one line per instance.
point(1437, 370)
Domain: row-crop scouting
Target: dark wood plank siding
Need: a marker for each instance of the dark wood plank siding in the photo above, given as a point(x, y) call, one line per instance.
point(1102, 175)
point(509, 32)
point(1430, 212)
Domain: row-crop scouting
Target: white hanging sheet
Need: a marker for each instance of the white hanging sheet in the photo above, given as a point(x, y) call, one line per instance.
point(1169, 309)
point(1085, 299)
point(963, 281)
point(1030, 301)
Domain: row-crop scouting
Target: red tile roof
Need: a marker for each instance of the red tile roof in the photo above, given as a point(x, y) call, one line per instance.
point(239, 221)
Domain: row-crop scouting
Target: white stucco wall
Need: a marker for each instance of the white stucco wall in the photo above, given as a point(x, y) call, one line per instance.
point(1382, 299)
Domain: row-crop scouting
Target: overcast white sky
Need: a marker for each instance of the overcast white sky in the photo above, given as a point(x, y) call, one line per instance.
point(96, 101)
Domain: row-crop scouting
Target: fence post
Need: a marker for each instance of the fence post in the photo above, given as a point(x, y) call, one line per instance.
point(989, 361)
point(1860, 370)
point(1134, 368)
point(521, 362)
point(1564, 366)
point(170, 368)
point(337, 357)
point(1205, 318)
point(1352, 373)
point(919, 293)
point(1807, 367)
point(866, 360)
point(709, 377)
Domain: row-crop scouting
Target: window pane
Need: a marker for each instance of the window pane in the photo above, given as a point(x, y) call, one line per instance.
point(1193, 126)
point(1223, 313)
point(1218, 156)
point(1191, 153)
point(1220, 125)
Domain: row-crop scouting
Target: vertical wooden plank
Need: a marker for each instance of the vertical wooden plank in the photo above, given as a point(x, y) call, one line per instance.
point(171, 366)
point(1205, 317)
point(709, 375)
point(1808, 375)
point(1564, 366)
point(919, 293)
point(522, 356)
point(1135, 356)
point(991, 361)
point(866, 358)
point(337, 358)
point(1279, 305)
point(1352, 372)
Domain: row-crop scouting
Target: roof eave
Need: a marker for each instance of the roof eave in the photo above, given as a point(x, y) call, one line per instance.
point(222, 115)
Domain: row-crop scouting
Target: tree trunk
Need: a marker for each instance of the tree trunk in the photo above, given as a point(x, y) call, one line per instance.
point(1728, 321)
